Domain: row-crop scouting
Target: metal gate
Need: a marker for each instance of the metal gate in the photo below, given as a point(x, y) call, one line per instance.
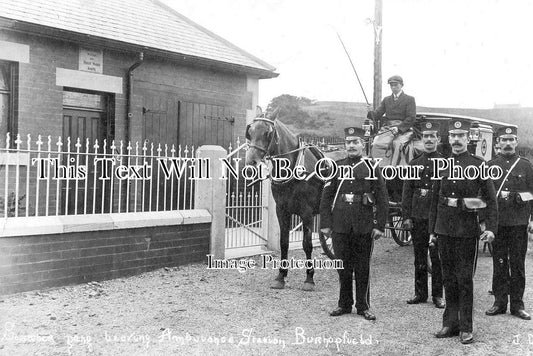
point(296, 234)
point(247, 213)
point(246, 208)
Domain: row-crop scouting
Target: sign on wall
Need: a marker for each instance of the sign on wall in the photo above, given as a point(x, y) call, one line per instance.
point(91, 60)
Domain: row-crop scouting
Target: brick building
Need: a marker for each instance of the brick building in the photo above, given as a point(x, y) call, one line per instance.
point(67, 60)
point(132, 71)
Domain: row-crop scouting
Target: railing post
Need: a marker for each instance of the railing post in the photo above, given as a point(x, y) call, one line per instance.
point(270, 219)
point(210, 194)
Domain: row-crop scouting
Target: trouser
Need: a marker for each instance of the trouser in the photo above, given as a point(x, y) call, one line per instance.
point(355, 251)
point(394, 150)
point(508, 259)
point(458, 258)
point(420, 246)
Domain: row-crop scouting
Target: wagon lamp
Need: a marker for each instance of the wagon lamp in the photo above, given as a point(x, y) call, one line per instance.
point(475, 132)
point(367, 126)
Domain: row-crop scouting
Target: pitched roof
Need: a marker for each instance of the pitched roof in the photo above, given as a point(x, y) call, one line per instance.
point(145, 23)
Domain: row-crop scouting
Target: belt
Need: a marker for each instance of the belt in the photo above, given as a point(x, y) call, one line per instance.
point(351, 198)
point(506, 194)
point(423, 192)
point(452, 202)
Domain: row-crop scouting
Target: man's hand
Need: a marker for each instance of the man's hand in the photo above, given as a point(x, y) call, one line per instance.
point(369, 107)
point(530, 227)
point(487, 236)
point(326, 231)
point(394, 130)
point(432, 240)
point(407, 224)
point(377, 234)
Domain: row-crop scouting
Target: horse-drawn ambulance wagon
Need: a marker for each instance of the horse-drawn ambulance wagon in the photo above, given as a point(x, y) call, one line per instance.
point(481, 143)
point(268, 138)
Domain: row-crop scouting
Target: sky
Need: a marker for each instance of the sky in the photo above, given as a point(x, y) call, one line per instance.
point(452, 53)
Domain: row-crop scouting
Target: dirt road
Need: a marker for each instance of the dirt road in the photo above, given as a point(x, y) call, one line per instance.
point(195, 311)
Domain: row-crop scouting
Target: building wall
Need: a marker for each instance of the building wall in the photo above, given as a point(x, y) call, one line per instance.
point(43, 261)
point(40, 99)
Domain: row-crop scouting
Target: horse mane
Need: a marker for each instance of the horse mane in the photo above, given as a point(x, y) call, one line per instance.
point(282, 128)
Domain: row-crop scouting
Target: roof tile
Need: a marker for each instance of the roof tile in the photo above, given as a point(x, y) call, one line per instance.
point(145, 23)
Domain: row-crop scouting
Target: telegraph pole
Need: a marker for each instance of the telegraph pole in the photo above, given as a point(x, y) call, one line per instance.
point(378, 18)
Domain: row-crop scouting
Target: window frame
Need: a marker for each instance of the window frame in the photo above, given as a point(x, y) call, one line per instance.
point(12, 92)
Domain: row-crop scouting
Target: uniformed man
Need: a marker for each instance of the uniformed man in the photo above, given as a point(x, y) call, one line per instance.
point(497, 149)
point(347, 212)
point(454, 221)
point(416, 201)
point(509, 249)
point(400, 112)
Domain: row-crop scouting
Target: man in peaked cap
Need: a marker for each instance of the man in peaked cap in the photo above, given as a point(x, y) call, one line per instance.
point(347, 213)
point(497, 149)
point(396, 131)
point(454, 227)
point(416, 201)
point(515, 206)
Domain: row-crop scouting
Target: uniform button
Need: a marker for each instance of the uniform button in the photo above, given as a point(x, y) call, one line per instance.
point(375, 221)
point(453, 193)
point(453, 182)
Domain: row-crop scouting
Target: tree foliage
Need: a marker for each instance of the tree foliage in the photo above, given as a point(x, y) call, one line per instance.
point(290, 111)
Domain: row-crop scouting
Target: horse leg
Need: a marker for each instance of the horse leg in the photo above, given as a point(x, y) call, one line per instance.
point(284, 219)
point(307, 223)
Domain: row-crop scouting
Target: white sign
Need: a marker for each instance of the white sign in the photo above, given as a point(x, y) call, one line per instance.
point(91, 60)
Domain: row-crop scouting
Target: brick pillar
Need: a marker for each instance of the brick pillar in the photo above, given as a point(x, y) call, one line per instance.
point(210, 194)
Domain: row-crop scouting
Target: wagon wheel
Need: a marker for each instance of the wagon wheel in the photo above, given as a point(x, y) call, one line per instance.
point(327, 245)
point(400, 235)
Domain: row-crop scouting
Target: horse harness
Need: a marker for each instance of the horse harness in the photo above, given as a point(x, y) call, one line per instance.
point(273, 139)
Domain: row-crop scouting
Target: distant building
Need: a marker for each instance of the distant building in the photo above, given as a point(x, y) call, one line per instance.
point(507, 106)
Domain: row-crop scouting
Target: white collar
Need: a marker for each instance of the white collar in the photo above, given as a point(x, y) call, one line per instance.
point(397, 96)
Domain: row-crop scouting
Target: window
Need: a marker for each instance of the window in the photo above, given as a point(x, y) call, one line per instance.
point(7, 101)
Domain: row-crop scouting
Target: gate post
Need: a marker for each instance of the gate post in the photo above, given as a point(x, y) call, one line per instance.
point(210, 194)
point(270, 219)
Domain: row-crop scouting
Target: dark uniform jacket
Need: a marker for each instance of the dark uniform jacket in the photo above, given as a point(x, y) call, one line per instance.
point(512, 210)
point(357, 215)
point(403, 109)
point(457, 221)
point(417, 193)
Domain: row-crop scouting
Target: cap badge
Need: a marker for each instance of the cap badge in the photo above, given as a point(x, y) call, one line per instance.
point(351, 131)
point(457, 124)
point(428, 125)
point(508, 130)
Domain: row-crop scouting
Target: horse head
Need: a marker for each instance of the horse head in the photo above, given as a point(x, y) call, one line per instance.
point(262, 136)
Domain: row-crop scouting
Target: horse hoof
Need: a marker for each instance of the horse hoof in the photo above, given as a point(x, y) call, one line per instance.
point(278, 284)
point(308, 287)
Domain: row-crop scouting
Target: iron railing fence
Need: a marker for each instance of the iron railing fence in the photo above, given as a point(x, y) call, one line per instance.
point(49, 177)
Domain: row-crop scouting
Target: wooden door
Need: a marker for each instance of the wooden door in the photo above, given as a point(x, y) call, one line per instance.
point(205, 124)
point(91, 125)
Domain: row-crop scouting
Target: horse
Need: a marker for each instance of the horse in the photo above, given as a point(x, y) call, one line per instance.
point(270, 138)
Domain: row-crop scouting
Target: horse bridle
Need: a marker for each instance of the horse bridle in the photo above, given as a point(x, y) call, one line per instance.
point(259, 148)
